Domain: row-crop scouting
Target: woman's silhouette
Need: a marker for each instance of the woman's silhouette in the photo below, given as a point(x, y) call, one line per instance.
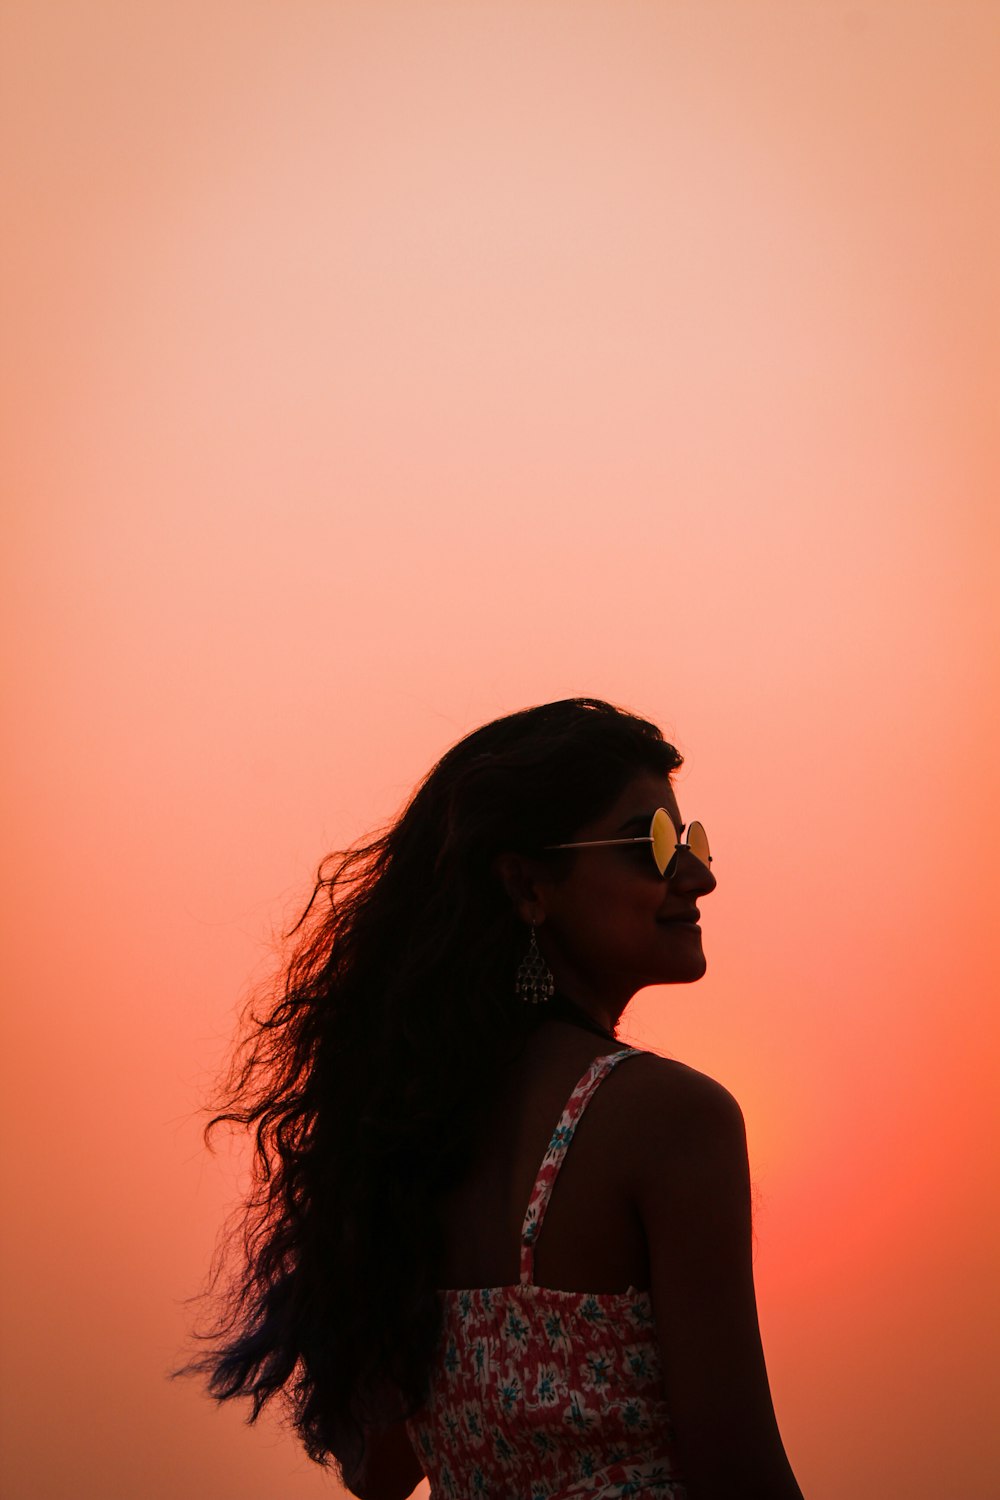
point(486, 1242)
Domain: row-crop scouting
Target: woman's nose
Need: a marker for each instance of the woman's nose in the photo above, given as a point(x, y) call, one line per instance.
point(691, 874)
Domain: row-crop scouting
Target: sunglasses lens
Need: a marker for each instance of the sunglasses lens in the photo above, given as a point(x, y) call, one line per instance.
point(664, 836)
point(698, 841)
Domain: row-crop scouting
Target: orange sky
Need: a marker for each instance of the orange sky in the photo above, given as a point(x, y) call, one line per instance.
point(374, 369)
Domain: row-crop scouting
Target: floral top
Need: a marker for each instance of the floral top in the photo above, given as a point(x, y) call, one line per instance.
point(538, 1394)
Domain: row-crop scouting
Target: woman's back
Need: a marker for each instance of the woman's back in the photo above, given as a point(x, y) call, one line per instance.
point(539, 1389)
point(642, 1266)
point(593, 1239)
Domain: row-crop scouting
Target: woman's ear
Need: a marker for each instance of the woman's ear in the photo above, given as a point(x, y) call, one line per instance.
point(519, 880)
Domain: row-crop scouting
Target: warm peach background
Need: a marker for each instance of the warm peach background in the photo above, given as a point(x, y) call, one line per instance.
point(371, 369)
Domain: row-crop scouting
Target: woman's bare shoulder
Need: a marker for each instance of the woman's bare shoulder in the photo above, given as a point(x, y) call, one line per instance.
point(663, 1084)
point(667, 1110)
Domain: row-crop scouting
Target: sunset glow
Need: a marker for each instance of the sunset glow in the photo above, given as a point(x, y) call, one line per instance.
point(371, 370)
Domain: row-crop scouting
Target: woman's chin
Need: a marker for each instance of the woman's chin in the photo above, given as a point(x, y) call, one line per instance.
point(685, 971)
point(686, 960)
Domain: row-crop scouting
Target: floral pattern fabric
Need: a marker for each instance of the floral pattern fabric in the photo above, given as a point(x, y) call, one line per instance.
point(539, 1394)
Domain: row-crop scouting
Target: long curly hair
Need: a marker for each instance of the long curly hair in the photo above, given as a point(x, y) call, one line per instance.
point(367, 1069)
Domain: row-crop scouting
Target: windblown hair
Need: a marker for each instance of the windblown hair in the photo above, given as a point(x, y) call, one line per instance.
point(367, 1070)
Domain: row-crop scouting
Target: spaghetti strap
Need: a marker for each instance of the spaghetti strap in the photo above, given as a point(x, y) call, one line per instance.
point(556, 1152)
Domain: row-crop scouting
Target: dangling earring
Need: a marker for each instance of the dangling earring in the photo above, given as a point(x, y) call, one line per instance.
point(534, 983)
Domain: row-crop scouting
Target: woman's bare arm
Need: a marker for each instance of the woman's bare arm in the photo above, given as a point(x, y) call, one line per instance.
point(693, 1195)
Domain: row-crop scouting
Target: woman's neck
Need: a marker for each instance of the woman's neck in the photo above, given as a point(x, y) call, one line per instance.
point(562, 1008)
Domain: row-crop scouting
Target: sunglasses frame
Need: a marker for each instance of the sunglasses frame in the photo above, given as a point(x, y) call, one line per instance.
point(648, 838)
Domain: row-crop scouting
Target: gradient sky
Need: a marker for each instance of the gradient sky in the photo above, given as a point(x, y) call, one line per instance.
point(372, 369)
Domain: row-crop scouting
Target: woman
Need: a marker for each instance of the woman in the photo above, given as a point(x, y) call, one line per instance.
point(487, 1243)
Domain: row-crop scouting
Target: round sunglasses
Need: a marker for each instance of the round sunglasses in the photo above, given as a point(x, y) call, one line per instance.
point(662, 837)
